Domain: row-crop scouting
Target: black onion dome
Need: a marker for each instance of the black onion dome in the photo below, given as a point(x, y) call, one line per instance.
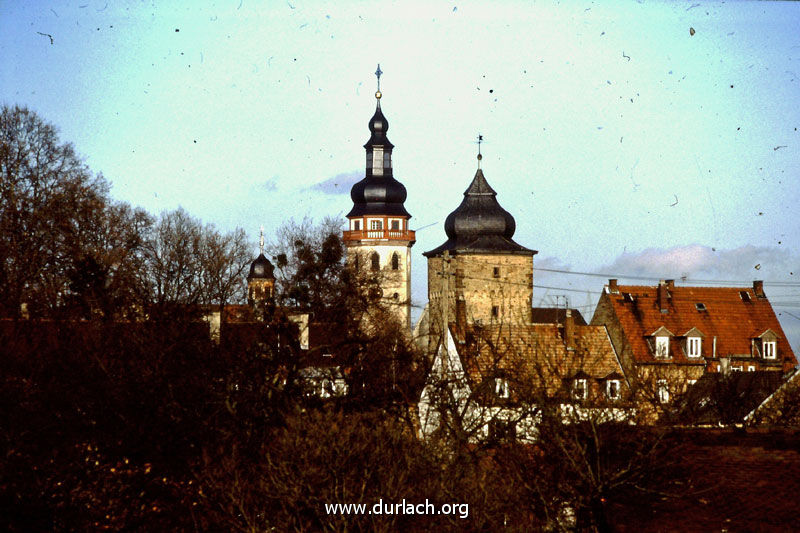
point(479, 224)
point(378, 126)
point(378, 196)
point(261, 268)
point(381, 194)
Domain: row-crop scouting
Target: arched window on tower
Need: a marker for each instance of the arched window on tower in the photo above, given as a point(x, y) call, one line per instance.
point(395, 261)
point(376, 261)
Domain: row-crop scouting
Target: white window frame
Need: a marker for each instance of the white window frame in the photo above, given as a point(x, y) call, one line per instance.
point(751, 368)
point(501, 388)
point(662, 347)
point(694, 346)
point(662, 391)
point(737, 368)
point(375, 224)
point(613, 385)
point(769, 349)
point(580, 389)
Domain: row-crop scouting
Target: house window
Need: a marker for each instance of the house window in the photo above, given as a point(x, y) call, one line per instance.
point(496, 272)
point(737, 368)
point(662, 346)
point(695, 344)
point(579, 389)
point(396, 225)
point(662, 391)
point(395, 262)
point(376, 224)
point(612, 389)
point(376, 261)
point(751, 368)
point(501, 387)
point(770, 351)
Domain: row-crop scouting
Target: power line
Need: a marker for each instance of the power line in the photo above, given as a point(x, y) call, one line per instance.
point(650, 278)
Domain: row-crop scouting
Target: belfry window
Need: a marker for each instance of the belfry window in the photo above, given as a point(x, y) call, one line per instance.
point(396, 225)
point(376, 224)
point(356, 225)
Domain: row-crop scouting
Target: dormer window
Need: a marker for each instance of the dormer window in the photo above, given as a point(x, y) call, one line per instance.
point(501, 389)
point(660, 341)
point(744, 295)
point(662, 346)
point(612, 389)
point(700, 306)
point(769, 349)
point(694, 346)
point(579, 389)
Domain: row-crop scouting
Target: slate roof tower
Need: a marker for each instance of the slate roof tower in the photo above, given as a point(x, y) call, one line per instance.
point(479, 274)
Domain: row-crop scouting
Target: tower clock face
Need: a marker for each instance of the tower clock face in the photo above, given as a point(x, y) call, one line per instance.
point(259, 270)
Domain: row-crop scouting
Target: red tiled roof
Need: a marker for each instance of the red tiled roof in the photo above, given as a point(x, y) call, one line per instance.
point(729, 317)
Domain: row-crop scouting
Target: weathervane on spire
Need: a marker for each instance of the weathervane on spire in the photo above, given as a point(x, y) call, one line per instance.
point(261, 241)
point(378, 74)
point(480, 140)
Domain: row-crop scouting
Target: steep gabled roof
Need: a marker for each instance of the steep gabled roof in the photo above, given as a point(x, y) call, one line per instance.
point(733, 315)
point(535, 352)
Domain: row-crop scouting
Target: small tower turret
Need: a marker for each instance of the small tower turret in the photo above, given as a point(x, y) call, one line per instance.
point(261, 281)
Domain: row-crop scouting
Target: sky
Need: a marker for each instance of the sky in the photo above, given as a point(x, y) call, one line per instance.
point(639, 140)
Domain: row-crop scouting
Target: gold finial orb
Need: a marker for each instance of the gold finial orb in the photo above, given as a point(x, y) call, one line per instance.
point(378, 95)
point(480, 157)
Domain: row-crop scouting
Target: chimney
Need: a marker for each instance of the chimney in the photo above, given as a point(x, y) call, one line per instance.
point(569, 330)
point(612, 286)
point(671, 284)
point(758, 288)
point(461, 317)
point(662, 296)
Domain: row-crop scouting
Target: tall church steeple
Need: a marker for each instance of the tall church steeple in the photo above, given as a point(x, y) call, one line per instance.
point(378, 237)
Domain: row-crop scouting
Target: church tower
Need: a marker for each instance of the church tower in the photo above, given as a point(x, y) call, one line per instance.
point(480, 275)
point(378, 238)
point(261, 283)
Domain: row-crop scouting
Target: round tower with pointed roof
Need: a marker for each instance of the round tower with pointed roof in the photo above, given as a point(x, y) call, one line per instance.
point(480, 274)
point(378, 237)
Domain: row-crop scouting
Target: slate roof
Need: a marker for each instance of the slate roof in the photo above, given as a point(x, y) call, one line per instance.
point(535, 352)
point(479, 224)
point(733, 315)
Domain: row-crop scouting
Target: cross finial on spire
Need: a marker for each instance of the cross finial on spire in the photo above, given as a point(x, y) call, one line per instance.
point(378, 74)
point(261, 241)
point(480, 140)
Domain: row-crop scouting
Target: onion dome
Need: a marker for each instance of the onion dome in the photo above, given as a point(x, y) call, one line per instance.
point(479, 224)
point(378, 193)
point(261, 268)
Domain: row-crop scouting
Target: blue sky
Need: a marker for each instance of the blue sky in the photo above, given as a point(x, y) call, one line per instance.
point(622, 142)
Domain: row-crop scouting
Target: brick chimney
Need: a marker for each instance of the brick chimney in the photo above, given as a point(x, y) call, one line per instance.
point(612, 286)
point(670, 284)
point(569, 330)
point(662, 296)
point(461, 316)
point(758, 288)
